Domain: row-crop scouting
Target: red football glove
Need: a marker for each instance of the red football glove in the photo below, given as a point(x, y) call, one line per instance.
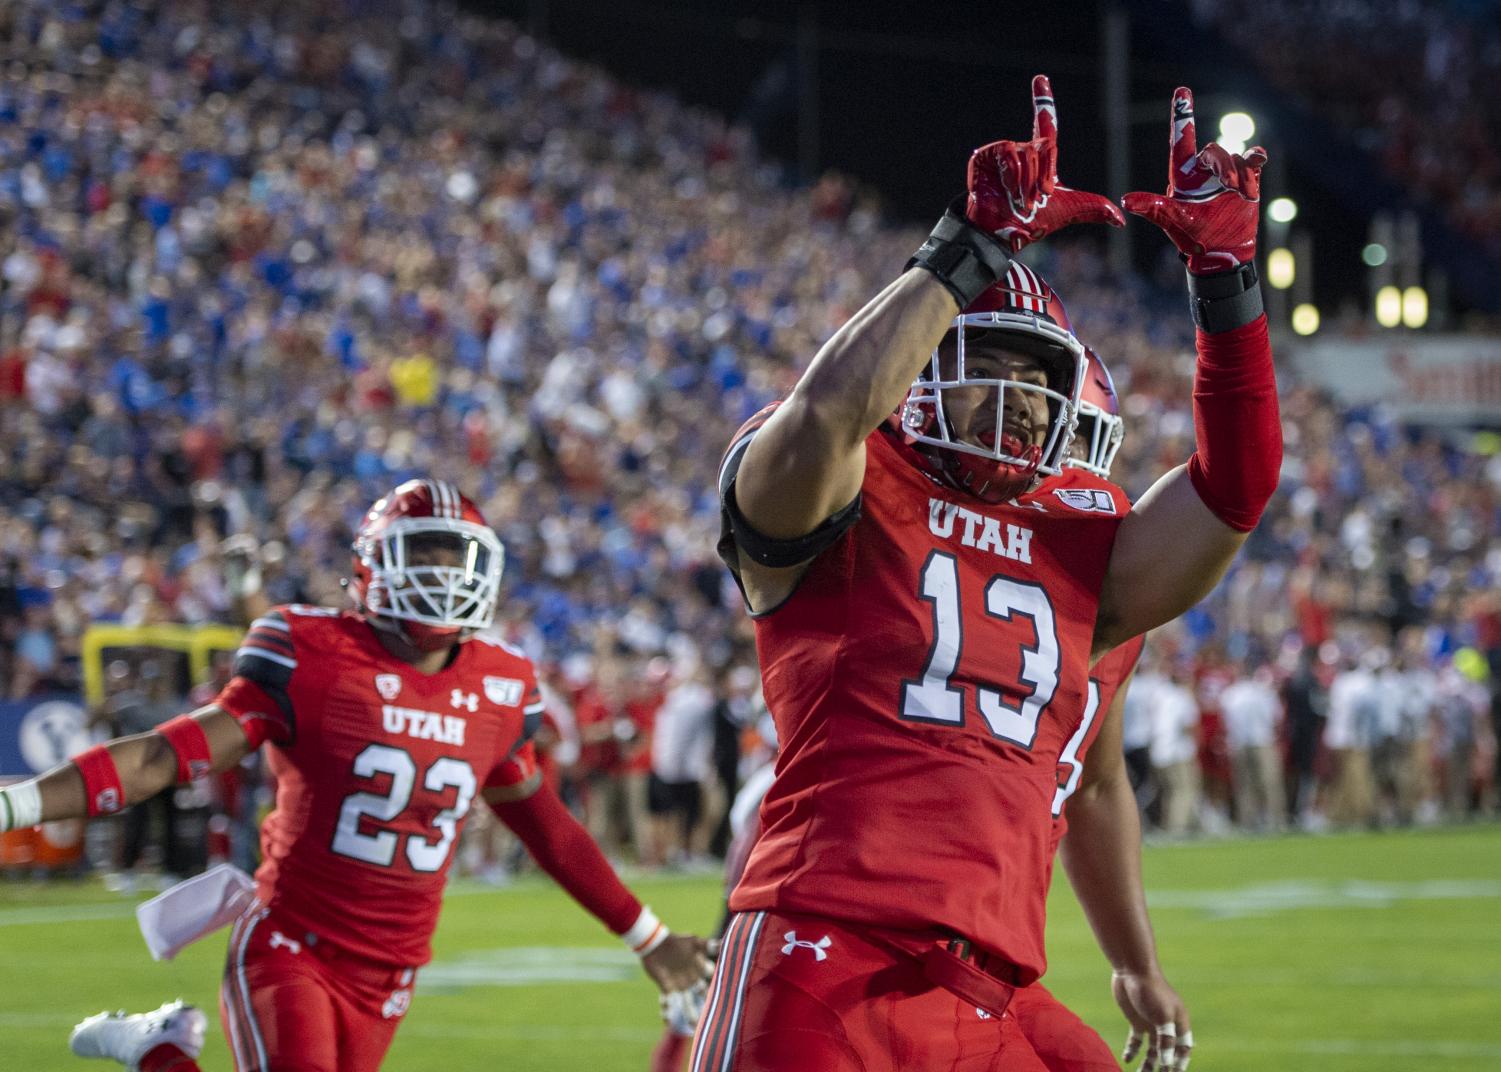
point(1213, 197)
point(1014, 191)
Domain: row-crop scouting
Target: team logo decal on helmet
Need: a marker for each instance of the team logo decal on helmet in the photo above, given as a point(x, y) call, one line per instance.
point(1019, 314)
point(426, 565)
point(1100, 428)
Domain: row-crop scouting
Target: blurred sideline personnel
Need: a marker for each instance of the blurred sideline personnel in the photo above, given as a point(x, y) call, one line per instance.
point(1060, 1039)
point(381, 724)
point(895, 900)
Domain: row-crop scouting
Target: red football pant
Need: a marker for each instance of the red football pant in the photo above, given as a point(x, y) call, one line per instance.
point(804, 992)
point(1064, 1042)
point(292, 1005)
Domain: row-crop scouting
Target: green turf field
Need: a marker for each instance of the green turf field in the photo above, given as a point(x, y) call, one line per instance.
point(1358, 952)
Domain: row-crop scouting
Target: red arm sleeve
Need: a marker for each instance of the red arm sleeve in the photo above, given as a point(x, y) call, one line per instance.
point(564, 849)
point(1237, 425)
point(259, 715)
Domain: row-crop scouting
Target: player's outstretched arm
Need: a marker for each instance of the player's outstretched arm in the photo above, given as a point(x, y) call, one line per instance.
point(808, 460)
point(1102, 855)
point(125, 771)
point(565, 851)
point(1181, 536)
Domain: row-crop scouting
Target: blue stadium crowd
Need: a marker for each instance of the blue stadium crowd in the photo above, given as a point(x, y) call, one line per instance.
point(1412, 81)
point(261, 263)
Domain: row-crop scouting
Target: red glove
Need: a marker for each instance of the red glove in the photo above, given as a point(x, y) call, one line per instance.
point(1014, 191)
point(1213, 197)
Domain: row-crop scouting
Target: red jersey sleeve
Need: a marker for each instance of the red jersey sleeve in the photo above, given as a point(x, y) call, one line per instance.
point(258, 695)
point(521, 762)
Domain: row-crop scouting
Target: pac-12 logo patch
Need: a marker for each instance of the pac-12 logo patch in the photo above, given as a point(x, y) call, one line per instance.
point(1090, 500)
point(388, 685)
point(505, 691)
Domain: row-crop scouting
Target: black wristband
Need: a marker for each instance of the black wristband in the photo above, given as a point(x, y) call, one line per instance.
point(965, 259)
point(1225, 301)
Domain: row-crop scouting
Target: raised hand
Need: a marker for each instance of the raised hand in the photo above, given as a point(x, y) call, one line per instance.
point(1213, 196)
point(1014, 192)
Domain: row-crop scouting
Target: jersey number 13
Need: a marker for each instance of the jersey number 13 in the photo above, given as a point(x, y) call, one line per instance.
point(932, 698)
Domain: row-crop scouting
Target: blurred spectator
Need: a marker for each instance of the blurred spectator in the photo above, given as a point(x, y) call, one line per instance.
point(1136, 735)
point(1252, 715)
point(145, 698)
point(1354, 714)
point(680, 766)
point(737, 708)
point(1306, 702)
point(1175, 721)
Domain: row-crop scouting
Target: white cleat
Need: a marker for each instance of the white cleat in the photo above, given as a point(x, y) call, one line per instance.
point(129, 1038)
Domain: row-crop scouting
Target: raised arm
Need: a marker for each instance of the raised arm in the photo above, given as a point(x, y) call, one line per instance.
point(1179, 539)
point(127, 770)
point(808, 460)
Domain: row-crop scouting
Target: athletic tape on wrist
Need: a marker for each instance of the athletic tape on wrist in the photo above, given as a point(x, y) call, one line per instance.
point(20, 806)
point(646, 934)
point(102, 789)
point(188, 740)
point(965, 259)
point(1224, 301)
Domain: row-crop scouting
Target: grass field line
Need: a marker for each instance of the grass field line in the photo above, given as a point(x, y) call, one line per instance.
point(1259, 899)
point(76, 913)
point(1269, 897)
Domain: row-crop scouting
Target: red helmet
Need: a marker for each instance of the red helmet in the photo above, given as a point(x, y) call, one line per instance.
point(1101, 429)
point(1023, 314)
point(427, 566)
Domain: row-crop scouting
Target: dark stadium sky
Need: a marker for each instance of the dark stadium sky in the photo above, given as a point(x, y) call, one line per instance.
point(905, 91)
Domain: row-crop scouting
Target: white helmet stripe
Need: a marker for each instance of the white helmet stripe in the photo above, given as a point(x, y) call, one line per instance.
point(1033, 286)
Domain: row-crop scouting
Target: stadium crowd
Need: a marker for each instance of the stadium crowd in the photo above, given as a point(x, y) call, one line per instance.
point(262, 263)
point(1413, 81)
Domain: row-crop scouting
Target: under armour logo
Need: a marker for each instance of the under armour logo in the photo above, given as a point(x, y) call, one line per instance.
point(981, 1013)
point(278, 940)
point(461, 698)
point(818, 947)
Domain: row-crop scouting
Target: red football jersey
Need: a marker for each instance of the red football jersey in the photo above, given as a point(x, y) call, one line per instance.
point(376, 766)
point(1105, 680)
point(925, 678)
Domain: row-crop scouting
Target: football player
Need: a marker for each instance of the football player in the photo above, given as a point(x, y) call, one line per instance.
point(382, 724)
point(928, 606)
point(1092, 786)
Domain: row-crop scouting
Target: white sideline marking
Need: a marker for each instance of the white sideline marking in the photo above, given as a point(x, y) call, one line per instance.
point(531, 965)
point(24, 917)
point(1271, 897)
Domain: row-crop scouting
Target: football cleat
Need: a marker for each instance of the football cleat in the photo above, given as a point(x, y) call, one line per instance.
point(128, 1038)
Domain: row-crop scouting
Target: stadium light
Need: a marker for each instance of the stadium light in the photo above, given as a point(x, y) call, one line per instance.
point(1236, 131)
point(1374, 255)
point(1282, 210)
point(1388, 307)
point(1281, 268)
point(1414, 307)
point(1306, 319)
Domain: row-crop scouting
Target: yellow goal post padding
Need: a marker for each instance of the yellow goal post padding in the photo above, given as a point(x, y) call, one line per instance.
point(199, 642)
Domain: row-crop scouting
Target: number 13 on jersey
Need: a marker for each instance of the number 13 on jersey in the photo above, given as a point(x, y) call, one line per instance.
point(933, 698)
